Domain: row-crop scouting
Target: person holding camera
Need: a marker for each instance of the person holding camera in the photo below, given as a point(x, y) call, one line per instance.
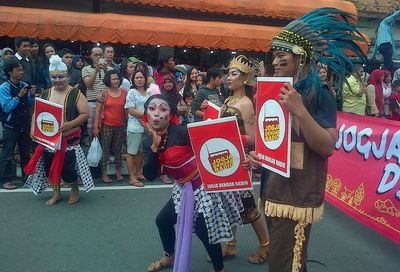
point(16, 100)
point(93, 76)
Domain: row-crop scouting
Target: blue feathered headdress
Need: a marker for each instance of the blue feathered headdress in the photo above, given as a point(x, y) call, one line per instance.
point(323, 35)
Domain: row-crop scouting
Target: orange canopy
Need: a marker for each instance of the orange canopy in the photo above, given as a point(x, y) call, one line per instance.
point(281, 9)
point(117, 28)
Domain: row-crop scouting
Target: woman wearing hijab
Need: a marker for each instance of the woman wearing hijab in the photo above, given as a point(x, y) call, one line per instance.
point(375, 93)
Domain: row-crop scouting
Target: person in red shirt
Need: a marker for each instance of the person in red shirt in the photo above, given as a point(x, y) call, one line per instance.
point(110, 122)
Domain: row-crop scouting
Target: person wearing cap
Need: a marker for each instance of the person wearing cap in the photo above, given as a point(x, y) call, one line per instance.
point(69, 162)
point(394, 101)
point(293, 204)
point(6, 54)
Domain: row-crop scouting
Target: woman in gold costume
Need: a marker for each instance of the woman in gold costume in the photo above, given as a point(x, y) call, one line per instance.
point(241, 79)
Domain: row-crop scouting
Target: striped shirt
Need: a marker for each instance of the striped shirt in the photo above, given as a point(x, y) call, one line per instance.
point(98, 84)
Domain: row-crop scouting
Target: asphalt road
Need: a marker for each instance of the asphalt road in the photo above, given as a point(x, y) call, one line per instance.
point(112, 229)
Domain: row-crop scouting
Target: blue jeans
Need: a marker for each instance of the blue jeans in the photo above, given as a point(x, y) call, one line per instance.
point(11, 138)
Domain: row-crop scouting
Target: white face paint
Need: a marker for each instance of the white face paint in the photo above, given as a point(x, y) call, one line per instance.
point(59, 80)
point(158, 114)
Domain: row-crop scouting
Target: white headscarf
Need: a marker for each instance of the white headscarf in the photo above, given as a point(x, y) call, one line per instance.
point(56, 64)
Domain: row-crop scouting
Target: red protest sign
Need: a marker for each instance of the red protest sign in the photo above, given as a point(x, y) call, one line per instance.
point(273, 126)
point(212, 111)
point(219, 153)
point(49, 120)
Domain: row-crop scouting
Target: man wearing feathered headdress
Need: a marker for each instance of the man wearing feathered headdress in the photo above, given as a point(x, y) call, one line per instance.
point(294, 204)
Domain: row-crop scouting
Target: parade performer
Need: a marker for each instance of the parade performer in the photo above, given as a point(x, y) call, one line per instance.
point(241, 78)
point(294, 204)
point(69, 162)
point(211, 216)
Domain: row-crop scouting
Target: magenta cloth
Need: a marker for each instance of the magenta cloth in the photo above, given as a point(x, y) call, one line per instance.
point(184, 230)
point(364, 172)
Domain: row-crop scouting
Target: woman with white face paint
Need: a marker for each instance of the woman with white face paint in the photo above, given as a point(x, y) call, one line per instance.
point(241, 78)
point(168, 148)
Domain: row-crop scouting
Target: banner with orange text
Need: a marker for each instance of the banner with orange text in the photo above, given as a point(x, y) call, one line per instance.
point(364, 172)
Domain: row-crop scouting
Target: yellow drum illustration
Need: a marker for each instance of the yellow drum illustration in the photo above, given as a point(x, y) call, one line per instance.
point(47, 126)
point(271, 128)
point(220, 160)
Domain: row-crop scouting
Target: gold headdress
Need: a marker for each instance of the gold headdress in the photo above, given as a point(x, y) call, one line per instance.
point(250, 68)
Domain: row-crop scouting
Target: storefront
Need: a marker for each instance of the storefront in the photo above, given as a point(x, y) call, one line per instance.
point(196, 31)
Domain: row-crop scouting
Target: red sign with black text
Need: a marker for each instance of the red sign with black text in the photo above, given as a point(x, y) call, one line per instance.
point(364, 172)
point(273, 126)
point(219, 152)
point(48, 121)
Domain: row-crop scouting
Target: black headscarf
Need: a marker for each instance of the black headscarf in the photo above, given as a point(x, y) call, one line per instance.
point(173, 94)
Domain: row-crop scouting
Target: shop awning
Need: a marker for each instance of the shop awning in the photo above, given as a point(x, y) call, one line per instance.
point(132, 29)
point(280, 9)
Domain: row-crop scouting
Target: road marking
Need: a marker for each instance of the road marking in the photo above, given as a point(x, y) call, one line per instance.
point(102, 188)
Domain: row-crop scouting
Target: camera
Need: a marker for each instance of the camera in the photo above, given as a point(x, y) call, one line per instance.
point(28, 87)
point(102, 61)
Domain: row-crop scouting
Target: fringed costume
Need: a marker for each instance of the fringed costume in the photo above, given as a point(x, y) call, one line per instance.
point(294, 204)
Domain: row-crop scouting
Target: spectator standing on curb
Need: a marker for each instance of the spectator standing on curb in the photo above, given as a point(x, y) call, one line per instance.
point(16, 100)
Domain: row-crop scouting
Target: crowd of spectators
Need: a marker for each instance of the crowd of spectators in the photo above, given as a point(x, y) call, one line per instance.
point(116, 94)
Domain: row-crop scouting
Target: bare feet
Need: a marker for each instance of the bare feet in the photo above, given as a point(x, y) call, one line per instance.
point(74, 196)
point(55, 198)
point(105, 179)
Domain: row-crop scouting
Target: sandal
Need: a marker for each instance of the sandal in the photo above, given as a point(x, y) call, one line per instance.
point(9, 186)
point(165, 179)
point(106, 180)
point(261, 255)
point(136, 183)
point(120, 179)
point(229, 250)
point(159, 265)
point(141, 178)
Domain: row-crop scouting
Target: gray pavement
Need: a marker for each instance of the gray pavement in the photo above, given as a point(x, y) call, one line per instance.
point(112, 229)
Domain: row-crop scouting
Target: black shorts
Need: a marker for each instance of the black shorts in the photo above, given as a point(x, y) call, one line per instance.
point(69, 173)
